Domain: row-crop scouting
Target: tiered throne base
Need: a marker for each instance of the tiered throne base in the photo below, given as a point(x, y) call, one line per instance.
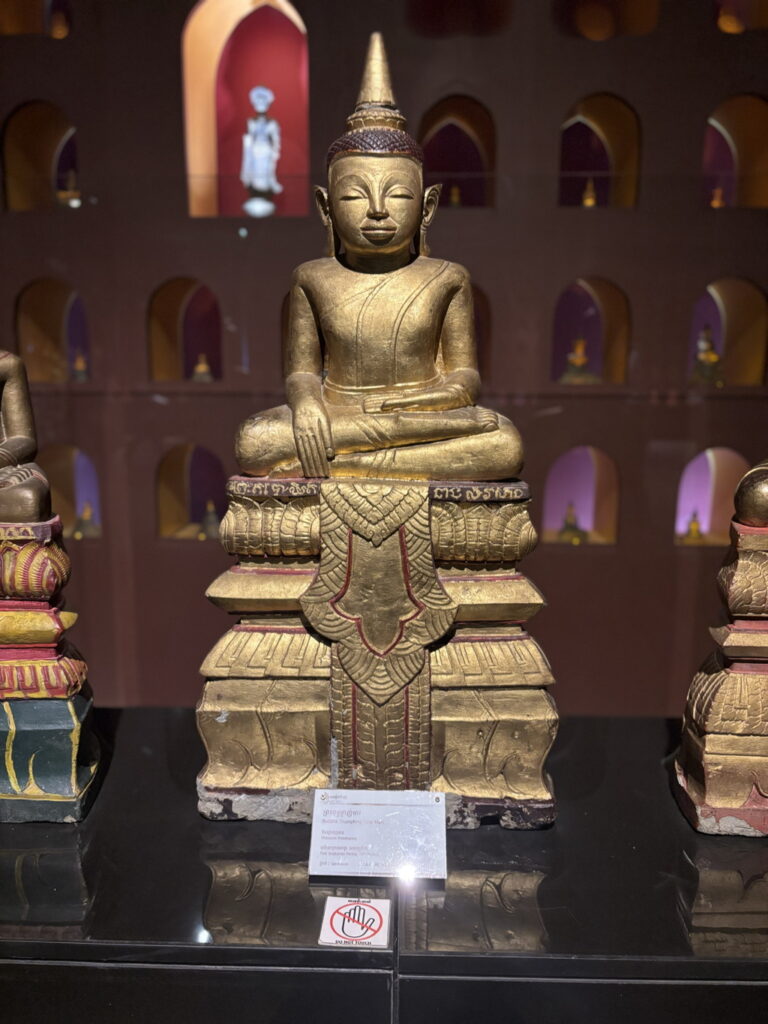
point(50, 756)
point(381, 644)
point(722, 765)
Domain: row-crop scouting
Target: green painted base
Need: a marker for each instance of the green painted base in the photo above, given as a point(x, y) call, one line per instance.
point(51, 756)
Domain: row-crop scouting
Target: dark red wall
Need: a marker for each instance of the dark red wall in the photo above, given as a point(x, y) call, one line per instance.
point(626, 625)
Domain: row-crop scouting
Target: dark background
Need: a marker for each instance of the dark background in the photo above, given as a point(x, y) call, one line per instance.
point(626, 623)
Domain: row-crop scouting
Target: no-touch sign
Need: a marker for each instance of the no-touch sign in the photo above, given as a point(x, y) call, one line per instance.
point(355, 922)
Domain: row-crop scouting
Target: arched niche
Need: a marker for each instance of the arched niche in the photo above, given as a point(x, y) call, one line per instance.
point(184, 332)
point(705, 496)
point(190, 489)
point(52, 332)
point(590, 333)
point(599, 20)
point(458, 137)
point(581, 498)
point(728, 336)
point(228, 48)
point(483, 322)
point(74, 489)
point(435, 18)
point(35, 17)
point(737, 16)
point(735, 157)
point(599, 153)
point(39, 158)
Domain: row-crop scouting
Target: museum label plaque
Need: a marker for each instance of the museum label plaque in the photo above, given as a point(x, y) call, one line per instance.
point(378, 834)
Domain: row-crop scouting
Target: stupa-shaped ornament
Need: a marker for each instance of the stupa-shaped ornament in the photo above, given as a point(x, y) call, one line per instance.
point(722, 764)
point(378, 523)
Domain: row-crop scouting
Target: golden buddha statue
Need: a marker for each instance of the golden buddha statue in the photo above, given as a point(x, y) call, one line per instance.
point(717, 199)
point(24, 493)
point(693, 533)
point(378, 573)
point(393, 328)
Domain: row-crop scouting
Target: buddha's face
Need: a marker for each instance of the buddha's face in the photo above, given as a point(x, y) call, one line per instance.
point(376, 203)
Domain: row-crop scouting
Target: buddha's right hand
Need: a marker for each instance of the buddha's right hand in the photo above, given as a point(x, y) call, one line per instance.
point(312, 433)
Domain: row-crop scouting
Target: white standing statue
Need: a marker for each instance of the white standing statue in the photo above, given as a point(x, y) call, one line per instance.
point(261, 151)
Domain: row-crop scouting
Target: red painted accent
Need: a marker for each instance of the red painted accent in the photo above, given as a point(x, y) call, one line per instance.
point(270, 571)
point(406, 745)
point(749, 668)
point(748, 626)
point(28, 606)
point(750, 531)
point(354, 730)
point(39, 652)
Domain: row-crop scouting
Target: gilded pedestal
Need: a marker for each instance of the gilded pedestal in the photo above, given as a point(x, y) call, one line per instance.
point(382, 644)
point(722, 765)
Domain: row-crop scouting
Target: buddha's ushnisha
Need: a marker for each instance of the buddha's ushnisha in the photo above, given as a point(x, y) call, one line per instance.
point(379, 359)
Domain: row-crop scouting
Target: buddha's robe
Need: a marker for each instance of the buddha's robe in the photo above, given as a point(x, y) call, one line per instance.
point(373, 337)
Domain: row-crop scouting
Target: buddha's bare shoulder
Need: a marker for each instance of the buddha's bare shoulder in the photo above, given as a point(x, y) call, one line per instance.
point(453, 273)
point(314, 272)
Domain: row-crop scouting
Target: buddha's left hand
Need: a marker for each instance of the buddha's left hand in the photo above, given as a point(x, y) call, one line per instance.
point(448, 396)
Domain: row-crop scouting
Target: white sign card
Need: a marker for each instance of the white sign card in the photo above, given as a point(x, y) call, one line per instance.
point(367, 833)
point(355, 922)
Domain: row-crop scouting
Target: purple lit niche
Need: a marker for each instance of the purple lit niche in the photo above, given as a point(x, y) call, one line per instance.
point(65, 173)
point(451, 156)
point(706, 313)
point(572, 479)
point(719, 165)
point(695, 494)
point(583, 155)
point(577, 315)
point(76, 333)
point(86, 487)
point(206, 481)
point(201, 331)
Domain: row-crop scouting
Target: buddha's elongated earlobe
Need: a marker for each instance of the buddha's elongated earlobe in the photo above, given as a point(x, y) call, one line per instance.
point(324, 209)
point(428, 211)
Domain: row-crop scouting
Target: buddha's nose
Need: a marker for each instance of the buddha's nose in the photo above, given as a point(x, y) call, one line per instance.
point(376, 210)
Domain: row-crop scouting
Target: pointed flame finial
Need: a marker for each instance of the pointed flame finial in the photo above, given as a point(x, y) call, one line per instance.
point(376, 106)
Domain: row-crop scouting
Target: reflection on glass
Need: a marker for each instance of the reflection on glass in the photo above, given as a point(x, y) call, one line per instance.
point(43, 890)
point(265, 903)
point(478, 912)
point(730, 910)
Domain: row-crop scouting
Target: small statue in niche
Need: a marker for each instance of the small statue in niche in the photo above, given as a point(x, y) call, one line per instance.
point(693, 532)
point(706, 365)
point(261, 151)
point(80, 367)
point(209, 527)
point(589, 195)
point(578, 371)
point(717, 202)
point(86, 525)
point(570, 532)
point(202, 373)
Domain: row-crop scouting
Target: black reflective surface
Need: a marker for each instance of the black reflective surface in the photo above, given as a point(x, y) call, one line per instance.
point(620, 889)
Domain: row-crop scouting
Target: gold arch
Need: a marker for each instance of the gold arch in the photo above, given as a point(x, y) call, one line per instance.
point(618, 126)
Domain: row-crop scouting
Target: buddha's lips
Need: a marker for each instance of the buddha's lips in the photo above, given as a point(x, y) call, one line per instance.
point(379, 233)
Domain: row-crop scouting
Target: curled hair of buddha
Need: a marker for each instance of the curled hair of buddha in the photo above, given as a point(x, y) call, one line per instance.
point(376, 127)
point(376, 141)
